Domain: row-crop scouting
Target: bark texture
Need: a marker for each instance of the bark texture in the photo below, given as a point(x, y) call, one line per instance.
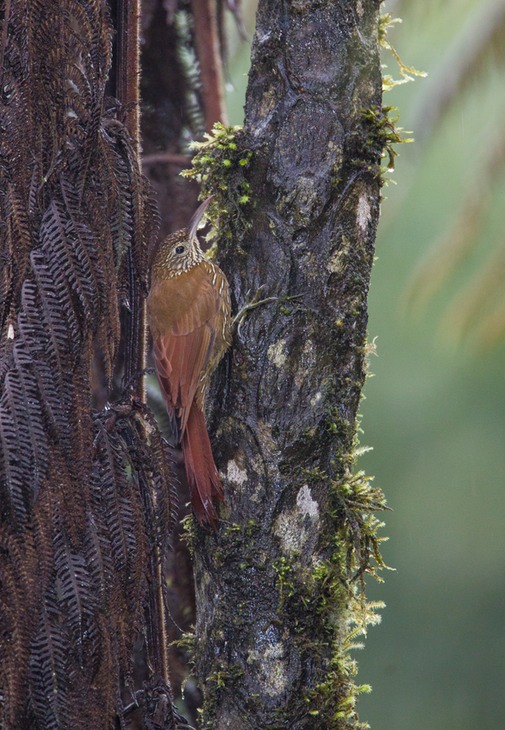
point(284, 417)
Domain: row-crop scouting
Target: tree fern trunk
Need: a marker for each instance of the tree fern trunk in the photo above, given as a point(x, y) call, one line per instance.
point(278, 586)
point(84, 497)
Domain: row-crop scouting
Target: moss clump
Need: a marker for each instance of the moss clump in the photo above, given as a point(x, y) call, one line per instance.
point(383, 135)
point(285, 580)
point(383, 132)
point(336, 593)
point(325, 603)
point(187, 643)
point(220, 166)
point(222, 679)
point(386, 22)
point(188, 534)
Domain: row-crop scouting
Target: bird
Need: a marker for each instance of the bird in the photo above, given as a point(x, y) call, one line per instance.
point(189, 316)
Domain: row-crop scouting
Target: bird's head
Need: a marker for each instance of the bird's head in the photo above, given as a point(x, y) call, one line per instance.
point(177, 253)
point(180, 251)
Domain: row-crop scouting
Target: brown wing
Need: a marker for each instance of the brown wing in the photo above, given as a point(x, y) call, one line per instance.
point(184, 337)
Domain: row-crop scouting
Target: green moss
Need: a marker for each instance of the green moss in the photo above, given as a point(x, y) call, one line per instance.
point(315, 474)
point(285, 580)
point(325, 603)
point(187, 643)
point(383, 131)
point(188, 534)
point(220, 166)
point(222, 679)
point(235, 533)
point(335, 593)
point(383, 134)
point(386, 22)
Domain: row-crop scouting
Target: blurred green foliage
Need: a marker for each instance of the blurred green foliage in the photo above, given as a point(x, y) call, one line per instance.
point(434, 412)
point(435, 415)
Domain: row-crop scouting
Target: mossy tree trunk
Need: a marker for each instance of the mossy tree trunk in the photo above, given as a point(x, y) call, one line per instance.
point(278, 585)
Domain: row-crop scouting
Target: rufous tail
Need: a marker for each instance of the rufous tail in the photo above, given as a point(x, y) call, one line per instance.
point(205, 486)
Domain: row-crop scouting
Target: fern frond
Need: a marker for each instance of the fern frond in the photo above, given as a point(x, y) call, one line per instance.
point(48, 666)
point(76, 538)
point(74, 588)
point(24, 442)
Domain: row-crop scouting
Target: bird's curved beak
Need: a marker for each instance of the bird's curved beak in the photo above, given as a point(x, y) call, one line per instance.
point(197, 217)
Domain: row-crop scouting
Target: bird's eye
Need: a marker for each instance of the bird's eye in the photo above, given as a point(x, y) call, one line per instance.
point(179, 249)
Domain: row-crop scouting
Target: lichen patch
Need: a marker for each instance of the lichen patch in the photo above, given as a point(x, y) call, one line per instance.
point(235, 474)
point(277, 353)
point(364, 211)
point(306, 504)
point(270, 661)
point(295, 528)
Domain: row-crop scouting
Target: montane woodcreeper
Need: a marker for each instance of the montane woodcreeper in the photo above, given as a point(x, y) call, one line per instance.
point(189, 318)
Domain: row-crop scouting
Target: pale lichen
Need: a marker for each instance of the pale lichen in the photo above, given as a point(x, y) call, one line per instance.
point(277, 353)
point(235, 474)
point(271, 666)
point(306, 504)
point(364, 210)
point(295, 527)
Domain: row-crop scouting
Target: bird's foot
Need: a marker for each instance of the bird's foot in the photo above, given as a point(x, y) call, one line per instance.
point(256, 301)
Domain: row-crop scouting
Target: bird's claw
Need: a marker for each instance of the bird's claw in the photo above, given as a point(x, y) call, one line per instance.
point(240, 317)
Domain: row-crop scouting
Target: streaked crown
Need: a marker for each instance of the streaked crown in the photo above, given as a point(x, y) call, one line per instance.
point(180, 251)
point(177, 253)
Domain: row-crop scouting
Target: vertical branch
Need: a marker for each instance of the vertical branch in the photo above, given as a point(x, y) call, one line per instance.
point(3, 37)
point(127, 91)
point(127, 67)
point(209, 57)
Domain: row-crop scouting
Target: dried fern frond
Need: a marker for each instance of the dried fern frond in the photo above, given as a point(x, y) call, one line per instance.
point(473, 309)
point(84, 502)
point(469, 311)
point(481, 43)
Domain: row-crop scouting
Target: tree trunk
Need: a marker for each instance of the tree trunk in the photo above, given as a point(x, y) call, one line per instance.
point(278, 585)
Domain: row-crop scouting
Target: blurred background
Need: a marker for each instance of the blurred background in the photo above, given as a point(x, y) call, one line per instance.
point(434, 410)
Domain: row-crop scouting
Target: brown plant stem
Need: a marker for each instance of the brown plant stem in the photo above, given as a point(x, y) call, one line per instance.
point(127, 90)
point(168, 158)
point(209, 57)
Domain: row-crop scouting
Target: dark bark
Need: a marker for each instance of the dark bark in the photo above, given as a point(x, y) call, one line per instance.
point(270, 628)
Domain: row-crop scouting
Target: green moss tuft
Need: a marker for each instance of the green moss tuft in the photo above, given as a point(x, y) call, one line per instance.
point(383, 132)
point(383, 135)
point(336, 592)
point(327, 599)
point(188, 534)
point(285, 580)
point(220, 166)
point(187, 643)
point(386, 22)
